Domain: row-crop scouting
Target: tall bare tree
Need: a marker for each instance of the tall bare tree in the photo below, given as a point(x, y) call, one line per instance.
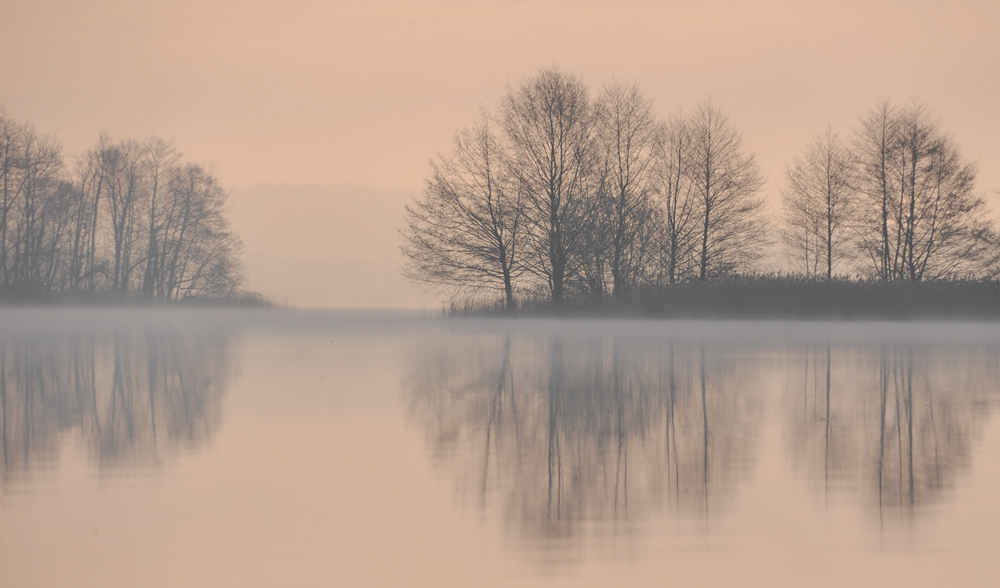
point(199, 255)
point(32, 203)
point(548, 122)
point(874, 146)
point(10, 134)
point(924, 218)
point(160, 159)
point(732, 223)
point(467, 232)
point(122, 166)
point(628, 134)
point(678, 203)
point(819, 206)
point(88, 269)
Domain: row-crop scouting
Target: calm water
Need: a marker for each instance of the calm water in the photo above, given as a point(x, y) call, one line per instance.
point(280, 448)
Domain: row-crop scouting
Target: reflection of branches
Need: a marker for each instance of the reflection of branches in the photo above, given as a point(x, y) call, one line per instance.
point(896, 423)
point(134, 396)
point(558, 432)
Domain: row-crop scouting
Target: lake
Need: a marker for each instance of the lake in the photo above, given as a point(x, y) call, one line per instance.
point(198, 447)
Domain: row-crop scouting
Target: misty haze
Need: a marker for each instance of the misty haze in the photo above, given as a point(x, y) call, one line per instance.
point(331, 293)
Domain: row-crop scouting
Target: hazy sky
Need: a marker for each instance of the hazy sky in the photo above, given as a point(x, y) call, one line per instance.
point(332, 92)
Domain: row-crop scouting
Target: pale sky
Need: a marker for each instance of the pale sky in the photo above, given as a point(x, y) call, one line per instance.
point(365, 93)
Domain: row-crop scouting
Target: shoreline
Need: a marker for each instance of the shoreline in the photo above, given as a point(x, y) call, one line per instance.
point(769, 298)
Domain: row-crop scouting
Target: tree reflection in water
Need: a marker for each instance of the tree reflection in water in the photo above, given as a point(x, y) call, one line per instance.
point(896, 423)
point(554, 432)
point(562, 431)
point(134, 396)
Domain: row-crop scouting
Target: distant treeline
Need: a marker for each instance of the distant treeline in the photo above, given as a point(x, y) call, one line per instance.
point(570, 202)
point(126, 220)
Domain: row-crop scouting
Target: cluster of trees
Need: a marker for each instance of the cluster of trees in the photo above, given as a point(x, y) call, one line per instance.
point(896, 202)
point(128, 218)
point(575, 197)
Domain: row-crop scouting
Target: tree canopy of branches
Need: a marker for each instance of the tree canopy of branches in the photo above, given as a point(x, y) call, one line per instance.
point(629, 134)
point(922, 217)
point(732, 226)
point(549, 126)
point(819, 207)
point(580, 199)
point(586, 198)
point(678, 228)
point(469, 231)
point(129, 220)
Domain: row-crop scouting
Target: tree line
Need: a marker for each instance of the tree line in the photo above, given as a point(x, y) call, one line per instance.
point(126, 219)
point(557, 195)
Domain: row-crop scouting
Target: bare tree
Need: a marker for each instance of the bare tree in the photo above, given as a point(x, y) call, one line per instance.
point(160, 159)
point(549, 124)
point(130, 221)
point(926, 219)
point(628, 134)
point(199, 255)
point(33, 201)
point(992, 253)
point(122, 166)
point(874, 147)
point(592, 253)
point(10, 131)
point(86, 266)
point(169, 238)
point(675, 190)
point(727, 181)
point(467, 232)
point(80, 270)
point(818, 203)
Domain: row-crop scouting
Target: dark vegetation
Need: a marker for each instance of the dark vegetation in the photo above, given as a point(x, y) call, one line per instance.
point(128, 221)
point(559, 203)
point(768, 297)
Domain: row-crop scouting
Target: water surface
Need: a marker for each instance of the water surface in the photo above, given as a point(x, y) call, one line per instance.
point(307, 448)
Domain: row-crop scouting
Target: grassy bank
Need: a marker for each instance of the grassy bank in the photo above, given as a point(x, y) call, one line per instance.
point(772, 298)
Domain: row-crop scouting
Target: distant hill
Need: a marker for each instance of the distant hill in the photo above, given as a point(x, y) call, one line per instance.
point(325, 245)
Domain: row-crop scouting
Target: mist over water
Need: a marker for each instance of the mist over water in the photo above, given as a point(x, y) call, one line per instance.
point(316, 448)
